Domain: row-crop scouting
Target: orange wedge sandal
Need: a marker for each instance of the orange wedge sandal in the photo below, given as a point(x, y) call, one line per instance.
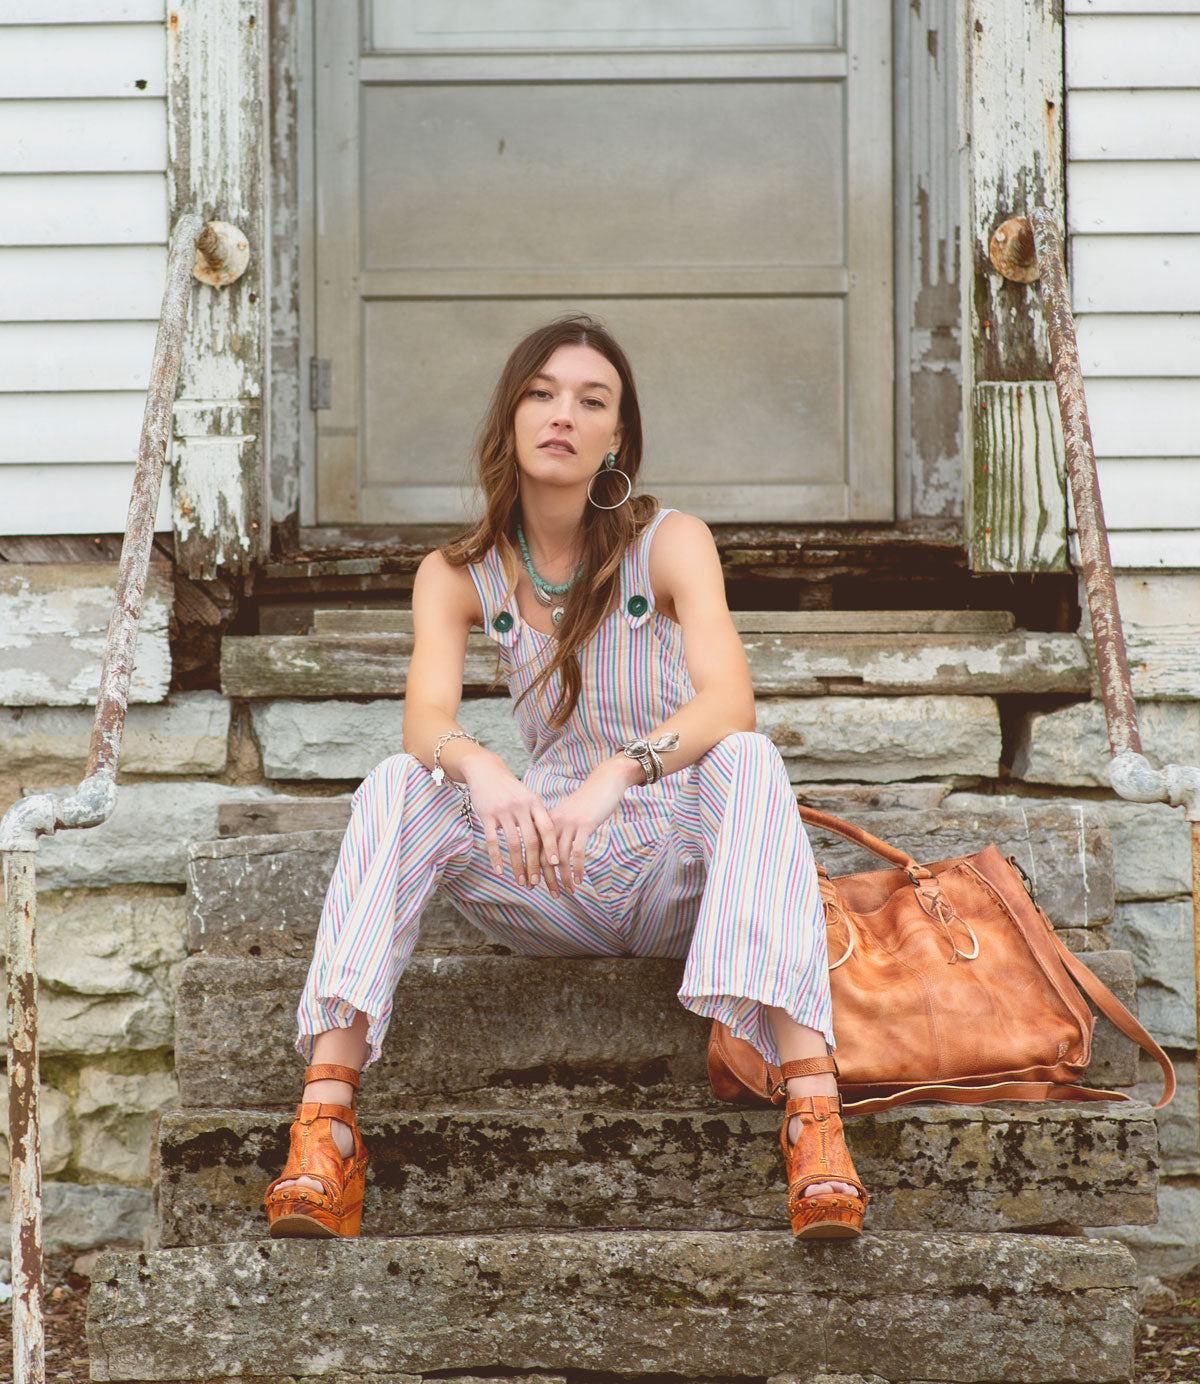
point(336, 1209)
point(819, 1155)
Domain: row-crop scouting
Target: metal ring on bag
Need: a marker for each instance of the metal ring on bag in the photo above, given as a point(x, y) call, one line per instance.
point(849, 933)
point(966, 956)
point(933, 902)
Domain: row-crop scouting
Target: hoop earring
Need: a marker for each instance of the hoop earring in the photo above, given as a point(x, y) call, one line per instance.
point(609, 462)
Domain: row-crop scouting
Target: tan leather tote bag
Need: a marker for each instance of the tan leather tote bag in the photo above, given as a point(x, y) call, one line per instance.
point(949, 984)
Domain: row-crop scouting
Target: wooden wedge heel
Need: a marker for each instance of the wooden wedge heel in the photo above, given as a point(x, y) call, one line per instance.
point(819, 1155)
point(335, 1210)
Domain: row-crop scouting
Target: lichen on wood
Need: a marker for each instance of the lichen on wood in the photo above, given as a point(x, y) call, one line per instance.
point(1013, 132)
point(1020, 510)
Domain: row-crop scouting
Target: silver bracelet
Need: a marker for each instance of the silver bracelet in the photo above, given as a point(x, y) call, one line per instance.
point(644, 752)
point(439, 774)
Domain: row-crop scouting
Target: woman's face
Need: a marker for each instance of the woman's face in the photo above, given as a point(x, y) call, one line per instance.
point(568, 419)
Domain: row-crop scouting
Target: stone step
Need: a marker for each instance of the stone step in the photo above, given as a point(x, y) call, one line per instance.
point(900, 1306)
point(864, 739)
point(261, 895)
point(787, 664)
point(497, 1031)
point(398, 621)
point(931, 1167)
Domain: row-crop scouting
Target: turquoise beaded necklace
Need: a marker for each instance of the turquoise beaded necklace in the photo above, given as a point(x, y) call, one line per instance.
point(544, 590)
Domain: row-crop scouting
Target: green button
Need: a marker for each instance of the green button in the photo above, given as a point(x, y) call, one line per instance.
point(503, 621)
point(637, 605)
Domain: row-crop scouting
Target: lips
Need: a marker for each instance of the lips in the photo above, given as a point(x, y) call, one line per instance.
point(557, 444)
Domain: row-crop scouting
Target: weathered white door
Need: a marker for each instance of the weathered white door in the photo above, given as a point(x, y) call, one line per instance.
point(712, 179)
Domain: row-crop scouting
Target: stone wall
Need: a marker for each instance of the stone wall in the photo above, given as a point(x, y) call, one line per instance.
point(112, 926)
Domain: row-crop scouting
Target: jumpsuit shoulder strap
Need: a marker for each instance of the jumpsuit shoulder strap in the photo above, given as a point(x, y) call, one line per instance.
point(637, 595)
point(501, 618)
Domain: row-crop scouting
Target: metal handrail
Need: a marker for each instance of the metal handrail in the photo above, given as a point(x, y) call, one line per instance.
point(211, 251)
point(1028, 249)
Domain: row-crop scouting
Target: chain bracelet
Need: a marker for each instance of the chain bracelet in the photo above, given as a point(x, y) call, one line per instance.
point(439, 774)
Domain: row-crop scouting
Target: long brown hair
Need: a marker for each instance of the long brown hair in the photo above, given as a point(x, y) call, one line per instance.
point(606, 533)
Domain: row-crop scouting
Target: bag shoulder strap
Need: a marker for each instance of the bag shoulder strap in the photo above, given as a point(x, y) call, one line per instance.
point(1112, 1008)
point(978, 1095)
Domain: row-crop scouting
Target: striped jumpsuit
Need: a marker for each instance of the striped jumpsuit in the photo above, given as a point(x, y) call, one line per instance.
point(710, 863)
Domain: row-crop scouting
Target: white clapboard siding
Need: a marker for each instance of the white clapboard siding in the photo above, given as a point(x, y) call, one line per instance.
point(1133, 209)
point(83, 136)
point(81, 283)
point(50, 428)
point(1144, 418)
point(1135, 273)
point(80, 499)
point(1134, 198)
point(1125, 50)
point(83, 208)
point(1130, 6)
point(1150, 492)
point(55, 61)
point(83, 231)
point(1134, 124)
point(1134, 344)
point(82, 11)
point(75, 356)
point(1148, 550)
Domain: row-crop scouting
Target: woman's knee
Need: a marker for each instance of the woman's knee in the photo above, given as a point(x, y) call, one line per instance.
point(750, 745)
point(385, 775)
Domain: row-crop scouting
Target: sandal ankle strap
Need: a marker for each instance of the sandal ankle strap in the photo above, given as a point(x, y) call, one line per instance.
point(311, 1110)
point(803, 1066)
point(808, 1066)
point(330, 1071)
point(800, 1105)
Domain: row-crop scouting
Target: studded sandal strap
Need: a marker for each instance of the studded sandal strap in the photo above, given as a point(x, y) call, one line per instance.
point(331, 1071)
point(328, 1196)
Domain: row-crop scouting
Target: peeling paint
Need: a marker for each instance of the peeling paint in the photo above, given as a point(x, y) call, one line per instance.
point(215, 170)
point(931, 238)
point(54, 627)
point(1013, 78)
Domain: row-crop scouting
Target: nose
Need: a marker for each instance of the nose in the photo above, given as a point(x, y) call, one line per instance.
point(563, 415)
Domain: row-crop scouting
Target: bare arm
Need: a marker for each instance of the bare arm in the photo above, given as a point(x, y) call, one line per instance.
point(685, 570)
point(445, 604)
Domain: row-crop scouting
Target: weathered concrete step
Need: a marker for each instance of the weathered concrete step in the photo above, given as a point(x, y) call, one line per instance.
point(399, 621)
point(566, 1033)
point(871, 739)
point(261, 895)
point(900, 1306)
point(376, 665)
point(933, 1167)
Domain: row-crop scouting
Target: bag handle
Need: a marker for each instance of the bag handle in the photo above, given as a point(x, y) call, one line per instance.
point(892, 854)
point(1084, 977)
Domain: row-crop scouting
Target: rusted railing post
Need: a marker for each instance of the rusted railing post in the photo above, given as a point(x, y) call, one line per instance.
point(25, 1167)
point(92, 802)
point(1029, 250)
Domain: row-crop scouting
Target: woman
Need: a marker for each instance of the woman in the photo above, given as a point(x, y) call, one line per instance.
point(643, 822)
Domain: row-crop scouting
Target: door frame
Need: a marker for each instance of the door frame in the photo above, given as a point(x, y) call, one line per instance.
point(330, 453)
point(932, 261)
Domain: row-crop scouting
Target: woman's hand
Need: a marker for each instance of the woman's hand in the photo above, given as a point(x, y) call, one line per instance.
point(550, 840)
point(578, 816)
point(503, 803)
